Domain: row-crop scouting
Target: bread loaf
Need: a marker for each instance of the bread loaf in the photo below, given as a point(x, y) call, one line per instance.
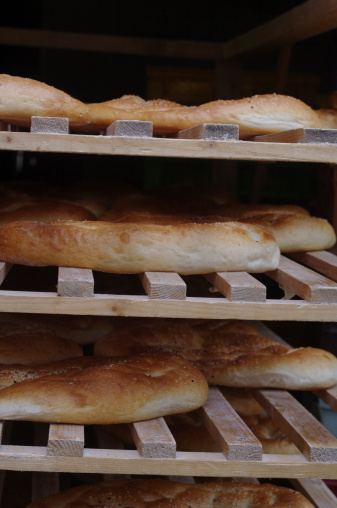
point(260, 114)
point(36, 348)
point(157, 493)
point(136, 248)
point(86, 390)
point(22, 98)
point(227, 358)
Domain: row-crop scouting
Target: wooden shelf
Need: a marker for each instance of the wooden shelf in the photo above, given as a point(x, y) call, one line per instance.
point(306, 295)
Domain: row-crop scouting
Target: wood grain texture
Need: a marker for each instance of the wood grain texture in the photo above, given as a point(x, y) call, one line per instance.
point(304, 282)
point(166, 147)
point(224, 424)
point(300, 136)
point(74, 282)
point(153, 439)
point(316, 491)
point(238, 286)
point(323, 261)
point(162, 285)
point(211, 131)
point(49, 125)
point(65, 440)
point(133, 128)
point(315, 442)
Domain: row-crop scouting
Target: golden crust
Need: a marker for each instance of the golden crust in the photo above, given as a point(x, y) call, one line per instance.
point(33, 349)
point(229, 359)
point(328, 118)
point(156, 493)
point(260, 114)
point(136, 248)
point(86, 390)
point(22, 98)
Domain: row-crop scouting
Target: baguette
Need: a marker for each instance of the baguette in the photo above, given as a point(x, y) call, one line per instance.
point(156, 493)
point(260, 114)
point(136, 248)
point(22, 98)
point(86, 390)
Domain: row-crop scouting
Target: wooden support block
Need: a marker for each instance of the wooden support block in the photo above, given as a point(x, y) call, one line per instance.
point(316, 491)
point(323, 261)
point(2, 426)
point(163, 285)
point(226, 427)
point(75, 282)
point(299, 136)
point(4, 269)
point(304, 282)
point(49, 125)
point(44, 484)
point(218, 131)
point(153, 439)
point(313, 440)
point(130, 128)
point(65, 440)
point(238, 286)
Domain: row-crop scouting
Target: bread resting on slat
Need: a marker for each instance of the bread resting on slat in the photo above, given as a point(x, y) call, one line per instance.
point(161, 493)
point(228, 358)
point(86, 390)
point(136, 248)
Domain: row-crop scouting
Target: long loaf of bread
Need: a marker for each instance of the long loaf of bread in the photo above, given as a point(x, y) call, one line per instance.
point(86, 390)
point(156, 493)
point(136, 248)
point(227, 357)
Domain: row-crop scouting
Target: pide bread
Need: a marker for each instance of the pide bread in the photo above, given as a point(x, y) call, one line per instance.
point(36, 348)
point(156, 493)
point(87, 390)
point(22, 98)
point(229, 358)
point(136, 248)
point(328, 118)
point(44, 212)
point(260, 114)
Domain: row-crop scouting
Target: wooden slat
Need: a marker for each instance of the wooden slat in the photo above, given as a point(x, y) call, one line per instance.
point(153, 438)
point(316, 491)
point(143, 306)
point(211, 131)
point(73, 282)
point(161, 285)
point(110, 44)
point(299, 136)
point(224, 424)
point(238, 286)
point(315, 442)
point(132, 128)
point(65, 440)
point(329, 395)
point(306, 20)
point(323, 261)
point(49, 125)
point(166, 147)
point(304, 282)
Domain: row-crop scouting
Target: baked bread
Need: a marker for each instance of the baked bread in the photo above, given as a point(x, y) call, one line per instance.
point(86, 390)
point(260, 114)
point(79, 329)
point(227, 358)
point(44, 212)
point(136, 248)
point(328, 118)
point(292, 226)
point(36, 348)
point(22, 98)
point(140, 493)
